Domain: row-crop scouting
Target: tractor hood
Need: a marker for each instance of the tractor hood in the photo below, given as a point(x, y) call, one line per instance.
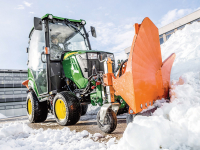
point(100, 54)
point(88, 59)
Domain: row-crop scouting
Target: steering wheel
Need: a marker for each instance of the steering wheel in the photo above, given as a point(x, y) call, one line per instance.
point(57, 55)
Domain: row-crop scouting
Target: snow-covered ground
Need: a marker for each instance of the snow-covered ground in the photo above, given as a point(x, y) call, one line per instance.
point(2, 116)
point(20, 136)
point(173, 126)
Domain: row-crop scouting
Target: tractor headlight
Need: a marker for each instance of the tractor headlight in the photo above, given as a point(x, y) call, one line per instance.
point(50, 16)
point(83, 22)
point(111, 56)
point(92, 55)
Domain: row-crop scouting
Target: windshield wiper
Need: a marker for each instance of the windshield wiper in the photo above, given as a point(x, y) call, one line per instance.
point(67, 22)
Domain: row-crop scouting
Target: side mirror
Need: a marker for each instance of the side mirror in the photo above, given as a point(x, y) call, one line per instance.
point(37, 23)
point(93, 31)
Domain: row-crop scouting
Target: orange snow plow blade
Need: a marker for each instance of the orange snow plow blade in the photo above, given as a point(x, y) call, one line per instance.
point(146, 78)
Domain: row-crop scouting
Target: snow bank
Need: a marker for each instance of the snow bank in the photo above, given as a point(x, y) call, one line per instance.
point(2, 116)
point(185, 43)
point(19, 136)
point(175, 125)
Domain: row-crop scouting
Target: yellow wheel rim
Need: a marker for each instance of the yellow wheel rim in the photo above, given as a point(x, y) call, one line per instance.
point(29, 107)
point(60, 109)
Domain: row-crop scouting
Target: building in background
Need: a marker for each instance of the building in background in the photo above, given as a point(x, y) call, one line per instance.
point(166, 31)
point(127, 51)
point(12, 92)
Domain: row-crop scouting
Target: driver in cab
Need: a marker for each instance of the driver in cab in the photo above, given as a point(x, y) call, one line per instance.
point(56, 50)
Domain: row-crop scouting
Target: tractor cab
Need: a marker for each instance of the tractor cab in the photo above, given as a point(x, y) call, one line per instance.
point(51, 38)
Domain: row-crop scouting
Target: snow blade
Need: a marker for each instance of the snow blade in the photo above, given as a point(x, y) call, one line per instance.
point(166, 70)
point(146, 78)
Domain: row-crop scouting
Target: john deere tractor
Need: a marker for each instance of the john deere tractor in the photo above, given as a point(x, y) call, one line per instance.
point(65, 74)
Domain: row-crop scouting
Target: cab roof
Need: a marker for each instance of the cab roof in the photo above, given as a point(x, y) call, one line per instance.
point(59, 18)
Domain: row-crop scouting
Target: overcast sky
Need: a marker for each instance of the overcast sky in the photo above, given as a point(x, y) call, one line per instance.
point(113, 20)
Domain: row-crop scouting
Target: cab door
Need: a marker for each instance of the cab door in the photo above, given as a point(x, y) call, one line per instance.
point(36, 65)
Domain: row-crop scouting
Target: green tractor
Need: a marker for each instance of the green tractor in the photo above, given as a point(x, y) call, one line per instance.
point(65, 74)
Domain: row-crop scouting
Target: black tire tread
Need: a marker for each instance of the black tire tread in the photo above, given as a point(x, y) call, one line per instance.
point(84, 108)
point(113, 123)
point(71, 101)
point(39, 109)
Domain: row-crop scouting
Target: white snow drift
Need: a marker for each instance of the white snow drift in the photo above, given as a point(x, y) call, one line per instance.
point(173, 126)
point(176, 125)
point(19, 136)
point(186, 45)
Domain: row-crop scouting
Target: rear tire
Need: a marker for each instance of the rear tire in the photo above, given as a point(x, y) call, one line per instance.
point(110, 121)
point(36, 111)
point(66, 108)
point(84, 108)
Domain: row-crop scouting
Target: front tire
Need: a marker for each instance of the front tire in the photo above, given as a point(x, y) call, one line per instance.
point(66, 108)
point(36, 111)
point(110, 121)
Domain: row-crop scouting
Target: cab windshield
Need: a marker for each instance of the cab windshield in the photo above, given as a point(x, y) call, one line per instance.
point(65, 38)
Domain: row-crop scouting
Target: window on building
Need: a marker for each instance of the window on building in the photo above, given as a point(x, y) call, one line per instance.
point(16, 74)
point(196, 20)
point(168, 36)
point(161, 41)
point(181, 27)
point(169, 33)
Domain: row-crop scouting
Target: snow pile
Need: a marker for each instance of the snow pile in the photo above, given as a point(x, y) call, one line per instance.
point(19, 136)
point(2, 116)
point(185, 43)
point(175, 125)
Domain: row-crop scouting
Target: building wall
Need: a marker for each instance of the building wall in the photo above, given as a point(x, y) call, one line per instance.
point(12, 92)
point(166, 31)
point(127, 51)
